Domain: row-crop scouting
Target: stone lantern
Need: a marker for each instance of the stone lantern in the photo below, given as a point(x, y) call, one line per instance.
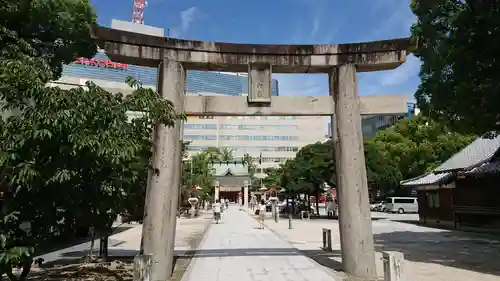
point(274, 208)
point(193, 201)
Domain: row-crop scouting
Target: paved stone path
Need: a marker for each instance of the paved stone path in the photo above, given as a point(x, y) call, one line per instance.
point(430, 254)
point(127, 243)
point(237, 249)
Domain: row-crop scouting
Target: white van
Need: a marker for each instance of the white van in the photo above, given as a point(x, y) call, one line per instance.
point(401, 205)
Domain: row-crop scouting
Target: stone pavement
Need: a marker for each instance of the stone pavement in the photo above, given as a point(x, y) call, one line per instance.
point(430, 253)
point(127, 243)
point(236, 249)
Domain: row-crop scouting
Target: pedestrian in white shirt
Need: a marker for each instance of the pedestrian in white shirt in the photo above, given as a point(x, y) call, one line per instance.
point(222, 205)
point(217, 211)
point(262, 213)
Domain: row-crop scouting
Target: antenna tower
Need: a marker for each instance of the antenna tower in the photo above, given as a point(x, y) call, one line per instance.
point(138, 12)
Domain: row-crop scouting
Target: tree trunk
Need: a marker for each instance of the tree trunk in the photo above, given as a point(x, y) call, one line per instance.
point(92, 243)
point(103, 247)
point(26, 269)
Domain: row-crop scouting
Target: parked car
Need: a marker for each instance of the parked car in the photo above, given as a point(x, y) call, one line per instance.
point(299, 206)
point(378, 206)
point(402, 205)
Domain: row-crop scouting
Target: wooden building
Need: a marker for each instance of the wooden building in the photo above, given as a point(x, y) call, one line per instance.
point(465, 190)
point(231, 179)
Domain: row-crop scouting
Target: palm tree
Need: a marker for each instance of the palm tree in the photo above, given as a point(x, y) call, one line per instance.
point(252, 167)
point(213, 154)
point(198, 172)
point(226, 154)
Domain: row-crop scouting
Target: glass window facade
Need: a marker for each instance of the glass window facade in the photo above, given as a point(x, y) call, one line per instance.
point(245, 149)
point(258, 138)
point(199, 137)
point(196, 82)
point(256, 127)
point(262, 117)
point(200, 126)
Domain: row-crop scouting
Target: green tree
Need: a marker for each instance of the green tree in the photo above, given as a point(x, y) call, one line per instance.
point(198, 171)
point(36, 38)
point(226, 154)
point(417, 145)
point(77, 150)
point(273, 177)
point(382, 172)
point(459, 75)
point(408, 149)
point(315, 165)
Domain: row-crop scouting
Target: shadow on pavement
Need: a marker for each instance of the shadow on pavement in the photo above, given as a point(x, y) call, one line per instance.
point(453, 248)
point(66, 243)
point(476, 230)
point(325, 259)
point(180, 254)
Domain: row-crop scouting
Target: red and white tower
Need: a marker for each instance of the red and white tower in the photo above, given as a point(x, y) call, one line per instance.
point(138, 12)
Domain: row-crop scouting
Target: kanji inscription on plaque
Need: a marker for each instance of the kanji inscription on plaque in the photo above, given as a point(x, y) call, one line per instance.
point(259, 82)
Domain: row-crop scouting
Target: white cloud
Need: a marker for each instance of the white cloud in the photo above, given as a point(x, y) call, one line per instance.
point(187, 16)
point(315, 27)
point(398, 20)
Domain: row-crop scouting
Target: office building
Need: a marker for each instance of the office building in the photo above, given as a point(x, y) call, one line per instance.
point(275, 138)
point(372, 124)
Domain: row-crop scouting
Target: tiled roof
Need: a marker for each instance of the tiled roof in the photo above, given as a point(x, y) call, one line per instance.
point(474, 156)
point(233, 169)
point(487, 168)
point(428, 179)
point(478, 152)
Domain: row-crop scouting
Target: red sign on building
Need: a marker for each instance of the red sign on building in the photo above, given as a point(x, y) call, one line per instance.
point(102, 63)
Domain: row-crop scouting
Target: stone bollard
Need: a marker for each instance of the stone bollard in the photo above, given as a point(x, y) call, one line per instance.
point(393, 266)
point(289, 221)
point(277, 214)
point(327, 239)
point(142, 268)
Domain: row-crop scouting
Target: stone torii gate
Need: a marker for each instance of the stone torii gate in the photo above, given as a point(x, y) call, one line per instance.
point(173, 57)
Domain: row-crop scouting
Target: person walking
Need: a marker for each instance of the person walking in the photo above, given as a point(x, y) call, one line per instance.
point(262, 213)
point(217, 211)
point(222, 205)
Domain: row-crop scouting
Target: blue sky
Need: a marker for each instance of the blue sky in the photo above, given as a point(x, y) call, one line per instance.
point(286, 22)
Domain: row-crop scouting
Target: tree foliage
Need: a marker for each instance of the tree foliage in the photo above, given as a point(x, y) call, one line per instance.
point(199, 171)
point(460, 70)
point(36, 38)
point(408, 149)
point(67, 157)
point(417, 145)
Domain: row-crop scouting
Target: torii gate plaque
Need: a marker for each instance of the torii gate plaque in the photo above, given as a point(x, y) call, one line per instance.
point(174, 57)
